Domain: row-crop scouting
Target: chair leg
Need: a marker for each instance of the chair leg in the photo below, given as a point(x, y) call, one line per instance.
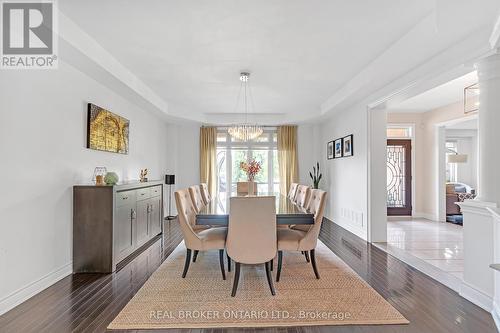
point(272, 264)
point(313, 261)
point(270, 278)
point(280, 263)
point(221, 260)
point(306, 253)
point(228, 262)
point(236, 279)
point(186, 263)
point(195, 255)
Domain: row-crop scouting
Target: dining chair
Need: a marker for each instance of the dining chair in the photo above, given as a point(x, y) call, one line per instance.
point(293, 191)
point(205, 194)
point(196, 197)
point(204, 240)
point(304, 241)
point(305, 227)
point(251, 235)
point(302, 195)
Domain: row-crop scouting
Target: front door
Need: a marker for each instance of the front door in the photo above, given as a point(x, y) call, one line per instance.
point(399, 177)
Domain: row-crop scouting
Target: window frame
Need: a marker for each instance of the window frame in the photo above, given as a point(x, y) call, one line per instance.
point(270, 146)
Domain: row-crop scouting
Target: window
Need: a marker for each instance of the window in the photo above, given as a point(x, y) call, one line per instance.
point(451, 168)
point(230, 152)
point(399, 131)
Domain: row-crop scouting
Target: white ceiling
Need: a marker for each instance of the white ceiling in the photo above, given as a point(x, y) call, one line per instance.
point(305, 56)
point(445, 94)
point(299, 52)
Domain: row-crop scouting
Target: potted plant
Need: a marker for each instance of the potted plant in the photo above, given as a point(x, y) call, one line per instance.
point(315, 176)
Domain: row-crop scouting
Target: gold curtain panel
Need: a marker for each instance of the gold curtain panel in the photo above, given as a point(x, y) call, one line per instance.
point(287, 157)
point(208, 151)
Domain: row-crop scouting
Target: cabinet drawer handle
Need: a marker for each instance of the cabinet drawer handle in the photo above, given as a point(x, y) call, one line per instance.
point(124, 198)
point(133, 214)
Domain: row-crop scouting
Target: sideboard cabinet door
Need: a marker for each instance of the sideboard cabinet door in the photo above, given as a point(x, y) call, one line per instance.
point(125, 230)
point(155, 216)
point(142, 222)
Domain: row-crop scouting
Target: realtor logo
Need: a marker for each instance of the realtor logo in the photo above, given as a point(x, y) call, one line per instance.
point(28, 35)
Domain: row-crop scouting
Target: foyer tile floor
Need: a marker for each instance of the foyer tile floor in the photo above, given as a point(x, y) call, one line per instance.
point(439, 244)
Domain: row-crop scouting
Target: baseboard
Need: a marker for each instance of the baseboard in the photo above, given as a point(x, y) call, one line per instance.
point(495, 313)
point(476, 296)
point(19, 296)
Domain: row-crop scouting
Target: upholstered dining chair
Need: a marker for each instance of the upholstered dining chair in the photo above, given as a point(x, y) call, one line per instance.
point(196, 197)
point(251, 237)
point(302, 196)
point(293, 191)
point(203, 240)
point(304, 241)
point(204, 193)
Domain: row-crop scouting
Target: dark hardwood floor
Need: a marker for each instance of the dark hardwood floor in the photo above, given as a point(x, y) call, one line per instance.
point(89, 302)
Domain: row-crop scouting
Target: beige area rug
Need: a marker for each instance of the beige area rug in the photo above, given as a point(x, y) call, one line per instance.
point(203, 299)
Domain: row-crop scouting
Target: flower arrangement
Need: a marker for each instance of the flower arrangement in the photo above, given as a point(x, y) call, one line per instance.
point(251, 169)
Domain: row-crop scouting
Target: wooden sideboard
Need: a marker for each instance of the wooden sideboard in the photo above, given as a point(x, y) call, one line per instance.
point(112, 222)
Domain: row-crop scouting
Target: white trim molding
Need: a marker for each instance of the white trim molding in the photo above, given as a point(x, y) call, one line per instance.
point(478, 284)
point(22, 294)
point(476, 296)
point(495, 312)
point(477, 207)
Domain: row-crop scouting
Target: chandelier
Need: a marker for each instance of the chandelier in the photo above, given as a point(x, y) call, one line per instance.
point(246, 131)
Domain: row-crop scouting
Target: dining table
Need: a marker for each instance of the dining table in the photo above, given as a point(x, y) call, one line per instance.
point(216, 213)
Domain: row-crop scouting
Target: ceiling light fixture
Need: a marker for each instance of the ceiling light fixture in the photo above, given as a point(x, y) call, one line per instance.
point(246, 131)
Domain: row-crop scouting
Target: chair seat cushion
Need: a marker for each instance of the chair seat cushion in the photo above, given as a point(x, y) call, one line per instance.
point(213, 238)
point(289, 239)
point(301, 227)
point(198, 227)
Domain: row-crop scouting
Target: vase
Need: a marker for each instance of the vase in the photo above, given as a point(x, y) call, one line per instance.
point(252, 187)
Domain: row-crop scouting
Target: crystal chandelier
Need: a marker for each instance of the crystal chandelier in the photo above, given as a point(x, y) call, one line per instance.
point(246, 131)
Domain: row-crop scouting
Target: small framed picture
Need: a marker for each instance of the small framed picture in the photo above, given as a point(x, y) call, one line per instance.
point(338, 148)
point(329, 150)
point(348, 149)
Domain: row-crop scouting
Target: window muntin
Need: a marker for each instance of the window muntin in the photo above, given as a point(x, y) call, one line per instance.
point(231, 152)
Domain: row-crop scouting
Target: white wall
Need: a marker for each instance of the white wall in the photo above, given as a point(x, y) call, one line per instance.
point(306, 153)
point(184, 157)
point(346, 178)
point(43, 154)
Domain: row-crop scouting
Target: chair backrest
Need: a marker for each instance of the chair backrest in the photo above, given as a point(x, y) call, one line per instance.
point(187, 218)
point(196, 197)
point(316, 207)
point(205, 194)
point(251, 236)
point(245, 187)
point(302, 196)
point(293, 191)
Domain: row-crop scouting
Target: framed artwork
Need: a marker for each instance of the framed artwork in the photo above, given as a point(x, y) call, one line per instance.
point(106, 131)
point(347, 144)
point(329, 150)
point(337, 148)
